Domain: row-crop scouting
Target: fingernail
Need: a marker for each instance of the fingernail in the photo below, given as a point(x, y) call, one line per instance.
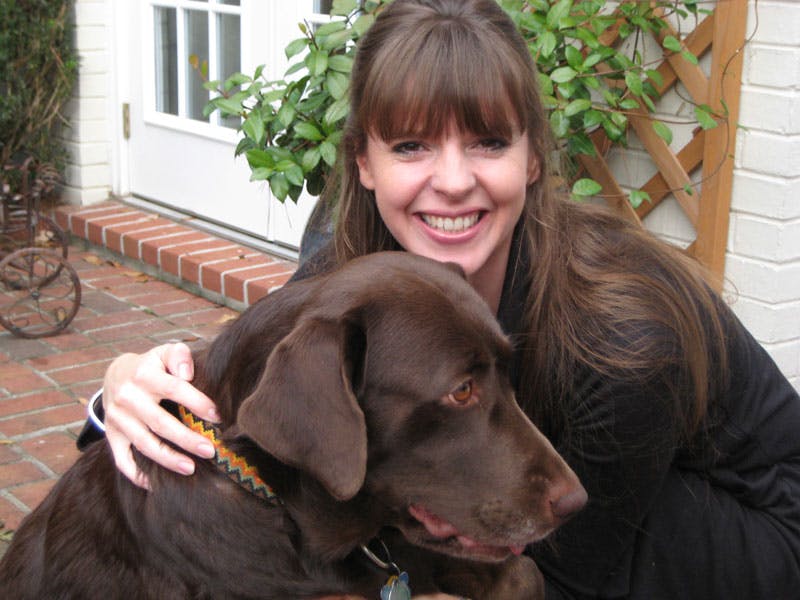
point(213, 415)
point(186, 467)
point(184, 372)
point(205, 449)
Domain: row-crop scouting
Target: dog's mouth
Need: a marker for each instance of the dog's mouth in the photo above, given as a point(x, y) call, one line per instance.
point(443, 536)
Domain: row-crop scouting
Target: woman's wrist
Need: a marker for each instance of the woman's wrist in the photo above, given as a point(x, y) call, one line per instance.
point(95, 411)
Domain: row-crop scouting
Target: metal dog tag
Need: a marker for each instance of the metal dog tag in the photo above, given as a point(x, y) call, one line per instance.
point(396, 588)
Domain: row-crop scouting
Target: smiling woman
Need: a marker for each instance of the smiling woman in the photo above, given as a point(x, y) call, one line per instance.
point(681, 428)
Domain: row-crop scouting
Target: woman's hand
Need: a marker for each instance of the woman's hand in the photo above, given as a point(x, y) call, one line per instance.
point(134, 385)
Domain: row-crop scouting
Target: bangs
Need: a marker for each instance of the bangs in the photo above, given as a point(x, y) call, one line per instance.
point(444, 73)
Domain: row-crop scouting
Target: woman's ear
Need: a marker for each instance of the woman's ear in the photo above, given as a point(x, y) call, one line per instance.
point(364, 171)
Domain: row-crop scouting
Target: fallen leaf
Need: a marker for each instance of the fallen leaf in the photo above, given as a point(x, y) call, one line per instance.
point(225, 319)
point(93, 260)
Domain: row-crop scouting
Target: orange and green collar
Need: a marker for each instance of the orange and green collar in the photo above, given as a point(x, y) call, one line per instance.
point(232, 464)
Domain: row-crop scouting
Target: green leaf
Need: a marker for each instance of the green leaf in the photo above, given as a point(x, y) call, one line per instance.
point(341, 63)
point(228, 106)
point(634, 83)
point(342, 8)
point(557, 12)
point(260, 174)
point(636, 197)
point(689, 57)
point(363, 23)
point(311, 159)
point(664, 132)
point(559, 123)
point(328, 152)
point(259, 158)
point(672, 43)
point(254, 127)
point(286, 114)
point(547, 43)
point(308, 131)
point(655, 77)
point(592, 118)
point(336, 83)
point(563, 74)
point(317, 62)
point(704, 118)
point(337, 111)
point(329, 28)
point(593, 59)
point(336, 40)
point(577, 106)
point(580, 143)
point(295, 47)
point(629, 104)
point(574, 57)
point(279, 186)
point(586, 187)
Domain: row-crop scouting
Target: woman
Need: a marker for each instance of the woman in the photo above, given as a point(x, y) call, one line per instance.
point(681, 428)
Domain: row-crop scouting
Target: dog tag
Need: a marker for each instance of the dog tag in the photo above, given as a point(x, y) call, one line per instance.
point(396, 588)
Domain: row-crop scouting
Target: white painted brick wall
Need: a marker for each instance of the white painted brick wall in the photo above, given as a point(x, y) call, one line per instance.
point(88, 139)
point(763, 260)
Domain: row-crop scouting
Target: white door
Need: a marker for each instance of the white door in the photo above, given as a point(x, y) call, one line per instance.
point(173, 155)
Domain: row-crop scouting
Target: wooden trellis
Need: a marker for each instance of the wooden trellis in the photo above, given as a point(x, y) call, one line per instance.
point(722, 33)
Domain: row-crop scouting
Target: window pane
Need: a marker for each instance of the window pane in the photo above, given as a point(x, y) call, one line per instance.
point(166, 55)
point(230, 2)
point(230, 62)
point(322, 7)
point(197, 44)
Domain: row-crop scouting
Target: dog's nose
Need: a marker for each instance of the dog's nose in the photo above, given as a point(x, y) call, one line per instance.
point(567, 505)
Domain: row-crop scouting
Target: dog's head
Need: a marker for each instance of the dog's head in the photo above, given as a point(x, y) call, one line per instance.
point(392, 383)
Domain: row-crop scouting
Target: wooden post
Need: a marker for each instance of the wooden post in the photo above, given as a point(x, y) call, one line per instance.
point(730, 18)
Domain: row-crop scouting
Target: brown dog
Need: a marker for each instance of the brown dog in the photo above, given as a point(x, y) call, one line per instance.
point(375, 403)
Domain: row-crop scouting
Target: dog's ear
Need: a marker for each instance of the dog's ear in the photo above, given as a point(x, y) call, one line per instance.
point(303, 410)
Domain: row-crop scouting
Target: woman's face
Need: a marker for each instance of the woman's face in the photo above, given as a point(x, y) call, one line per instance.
point(454, 199)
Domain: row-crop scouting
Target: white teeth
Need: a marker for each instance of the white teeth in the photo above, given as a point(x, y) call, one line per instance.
point(449, 224)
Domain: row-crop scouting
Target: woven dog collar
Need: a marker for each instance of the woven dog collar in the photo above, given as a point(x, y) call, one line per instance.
point(230, 463)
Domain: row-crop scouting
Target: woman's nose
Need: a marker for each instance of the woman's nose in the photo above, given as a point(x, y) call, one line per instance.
point(452, 173)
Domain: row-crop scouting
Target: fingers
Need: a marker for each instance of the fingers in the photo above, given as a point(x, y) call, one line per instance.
point(133, 387)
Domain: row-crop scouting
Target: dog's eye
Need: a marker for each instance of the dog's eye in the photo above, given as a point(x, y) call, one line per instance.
point(462, 393)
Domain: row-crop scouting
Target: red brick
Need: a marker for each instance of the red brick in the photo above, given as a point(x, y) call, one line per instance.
point(69, 339)
point(7, 453)
point(94, 322)
point(190, 264)
point(261, 287)
point(78, 374)
point(10, 515)
point(96, 226)
point(131, 239)
point(217, 316)
point(59, 416)
point(114, 234)
point(235, 281)
point(151, 249)
point(32, 494)
point(79, 220)
point(211, 274)
point(29, 402)
point(22, 471)
point(18, 378)
point(170, 257)
point(70, 359)
point(124, 332)
point(56, 450)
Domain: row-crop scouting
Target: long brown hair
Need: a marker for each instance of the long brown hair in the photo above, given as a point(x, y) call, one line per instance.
point(604, 293)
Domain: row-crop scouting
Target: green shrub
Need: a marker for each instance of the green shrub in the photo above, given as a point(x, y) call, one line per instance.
point(39, 66)
point(291, 128)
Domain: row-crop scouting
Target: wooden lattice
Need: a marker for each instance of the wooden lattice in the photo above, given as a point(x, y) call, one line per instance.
point(722, 33)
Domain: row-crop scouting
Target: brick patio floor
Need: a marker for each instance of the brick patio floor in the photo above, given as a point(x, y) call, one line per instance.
point(45, 383)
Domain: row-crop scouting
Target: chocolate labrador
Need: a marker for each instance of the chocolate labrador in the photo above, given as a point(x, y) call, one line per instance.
point(368, 428)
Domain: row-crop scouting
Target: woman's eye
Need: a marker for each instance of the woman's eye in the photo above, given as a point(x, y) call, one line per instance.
point(493, 144)
point(462, 394)
point(407, 147)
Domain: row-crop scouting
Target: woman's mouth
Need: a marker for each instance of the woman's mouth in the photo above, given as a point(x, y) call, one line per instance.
point(451, 225)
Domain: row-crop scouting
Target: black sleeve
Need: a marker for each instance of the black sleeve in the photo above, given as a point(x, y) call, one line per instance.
point(621, 442)
point(717, 516)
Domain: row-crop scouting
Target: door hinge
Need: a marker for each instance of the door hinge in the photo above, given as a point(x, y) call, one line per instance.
point(126, 120)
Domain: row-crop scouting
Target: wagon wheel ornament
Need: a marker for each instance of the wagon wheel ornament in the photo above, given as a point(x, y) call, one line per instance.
point(40, 294)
